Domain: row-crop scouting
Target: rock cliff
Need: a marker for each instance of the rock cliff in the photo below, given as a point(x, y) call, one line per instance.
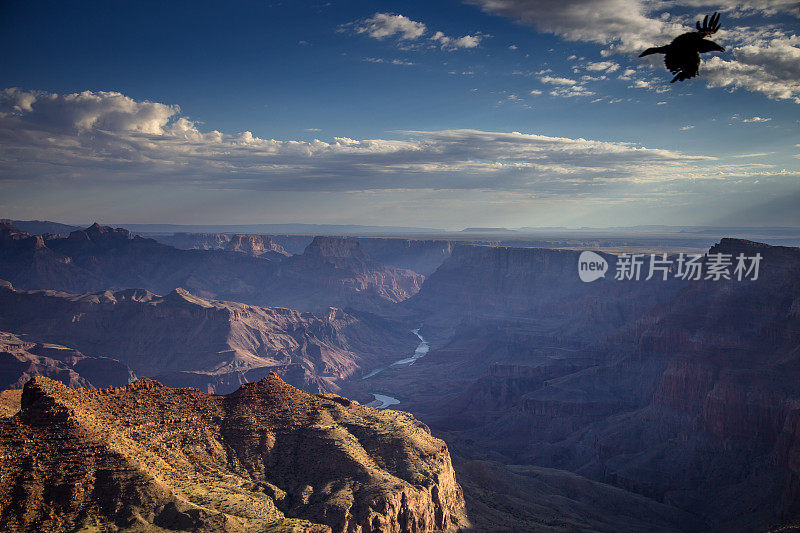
point(268, 457)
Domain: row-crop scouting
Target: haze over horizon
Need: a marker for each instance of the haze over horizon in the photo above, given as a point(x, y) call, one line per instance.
point(485, 113)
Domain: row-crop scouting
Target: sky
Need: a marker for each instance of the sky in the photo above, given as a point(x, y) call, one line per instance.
point(442, 114)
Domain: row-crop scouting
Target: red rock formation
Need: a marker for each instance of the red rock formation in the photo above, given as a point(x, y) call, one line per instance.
point(268, 456)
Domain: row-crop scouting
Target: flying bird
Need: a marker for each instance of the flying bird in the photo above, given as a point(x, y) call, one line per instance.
point(682, 55)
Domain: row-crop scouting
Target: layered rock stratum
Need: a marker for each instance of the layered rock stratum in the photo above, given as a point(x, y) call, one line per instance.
point(268, 457)
point(184, 340)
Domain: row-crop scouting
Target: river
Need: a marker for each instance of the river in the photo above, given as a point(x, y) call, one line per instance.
point(420, 351)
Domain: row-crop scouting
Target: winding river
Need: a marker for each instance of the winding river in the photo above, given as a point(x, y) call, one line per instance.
point(420, 351)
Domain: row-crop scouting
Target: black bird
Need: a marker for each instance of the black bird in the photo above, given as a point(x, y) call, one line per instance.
point(682, 55)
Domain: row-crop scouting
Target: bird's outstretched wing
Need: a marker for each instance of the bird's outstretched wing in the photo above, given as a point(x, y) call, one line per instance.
point(684, 64)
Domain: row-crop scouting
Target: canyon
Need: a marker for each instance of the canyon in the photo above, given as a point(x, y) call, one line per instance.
point(637, 405)
point(684, 392)
point(184, 340)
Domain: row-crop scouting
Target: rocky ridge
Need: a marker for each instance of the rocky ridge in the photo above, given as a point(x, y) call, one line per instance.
point(267, 457)
point(100, 258)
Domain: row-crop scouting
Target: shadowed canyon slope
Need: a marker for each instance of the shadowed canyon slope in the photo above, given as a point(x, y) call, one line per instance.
point(685, 392)
point(184, 340)
point(21, 359)
point(329, 273)
point(267, 457)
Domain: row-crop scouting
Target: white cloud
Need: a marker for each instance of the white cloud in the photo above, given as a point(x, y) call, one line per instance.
point(687, 127)
point(568, 87)
point(89, 111)
point(389, 61)
point(757, 119)
point(759, 154)
point(768, 66)
point(383, 25)
point(552, 80)
point(571, 92)
point(512, 47)
point(607, 66)
point(621, 23)
point(106, 137)
point(453, 43)
point(641, 84)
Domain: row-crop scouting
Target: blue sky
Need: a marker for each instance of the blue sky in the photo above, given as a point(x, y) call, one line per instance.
point(441, 114)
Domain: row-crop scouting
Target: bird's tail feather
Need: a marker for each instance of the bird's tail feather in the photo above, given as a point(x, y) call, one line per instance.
point(654, 50)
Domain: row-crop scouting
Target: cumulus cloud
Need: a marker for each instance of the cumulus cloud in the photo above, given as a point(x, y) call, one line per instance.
point(383, 25)
point(571, 91)
point(765, 60)
point(452, 43)
point(107, 137)
point(770, 66)
point(757, 119)
point(553, 80)
point(567, 87)
point(602, 66)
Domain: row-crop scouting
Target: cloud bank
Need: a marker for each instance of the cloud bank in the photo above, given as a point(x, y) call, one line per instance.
point(107, 137)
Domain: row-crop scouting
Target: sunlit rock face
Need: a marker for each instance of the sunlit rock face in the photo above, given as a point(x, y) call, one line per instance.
point(266, 457)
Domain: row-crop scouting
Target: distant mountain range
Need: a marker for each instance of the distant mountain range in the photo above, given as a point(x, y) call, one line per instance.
point(39, 227)
point(43, 226)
